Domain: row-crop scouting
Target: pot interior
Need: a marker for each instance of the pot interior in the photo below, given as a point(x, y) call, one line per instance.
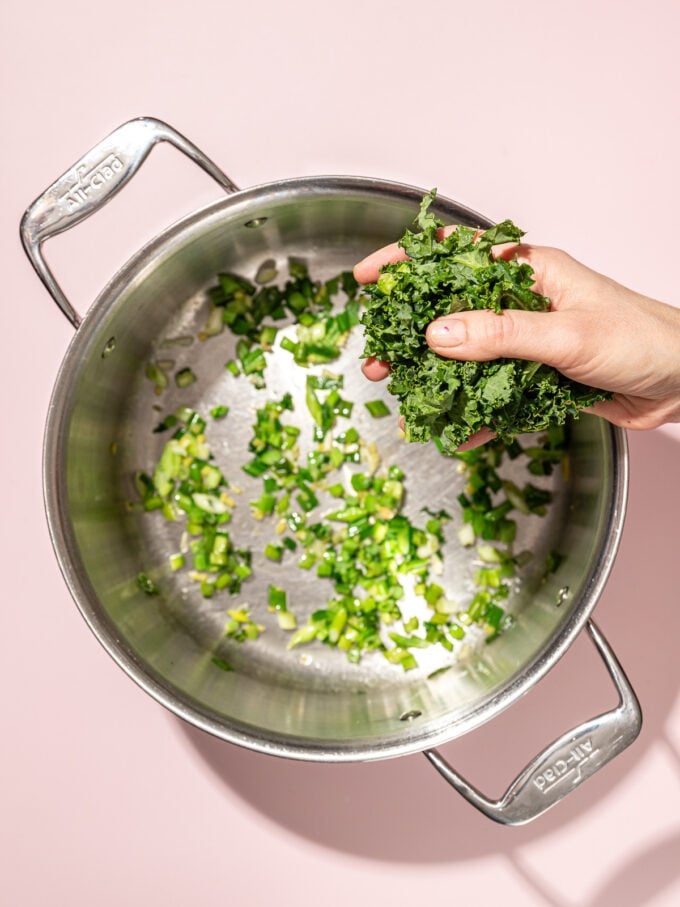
point(308, 702)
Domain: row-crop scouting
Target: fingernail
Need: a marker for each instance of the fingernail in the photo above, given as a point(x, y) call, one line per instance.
point(447, 332)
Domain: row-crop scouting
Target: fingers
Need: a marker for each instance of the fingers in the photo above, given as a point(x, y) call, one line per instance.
point(368, 270)
point(549, 337)
point(635, 413)
point(374, 369)
point(480, 437)
point(611, 410)
point(521, 251)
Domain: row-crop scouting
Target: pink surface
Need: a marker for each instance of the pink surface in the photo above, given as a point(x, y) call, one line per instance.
point(562, 116)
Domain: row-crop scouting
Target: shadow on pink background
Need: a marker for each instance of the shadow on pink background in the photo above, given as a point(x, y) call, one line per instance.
point(400, 810)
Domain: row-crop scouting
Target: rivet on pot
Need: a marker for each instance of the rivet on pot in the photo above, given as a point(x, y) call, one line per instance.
point(109, 348)
point(409, 716)
point(562, 596)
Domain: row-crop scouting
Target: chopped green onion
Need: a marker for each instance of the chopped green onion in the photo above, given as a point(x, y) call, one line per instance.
point(147, 585)
point(553, 561)
point(367, 548)
point(268, 336)
point(277, 598)
point(157, 377)
point(176, 561)
point(221, 663)
point(184, 377)
point(266, 271)
point(377, 408)
point(274, 552)
point(286, 620)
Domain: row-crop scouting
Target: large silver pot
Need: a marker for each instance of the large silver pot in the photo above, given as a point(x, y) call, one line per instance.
point(314, 707)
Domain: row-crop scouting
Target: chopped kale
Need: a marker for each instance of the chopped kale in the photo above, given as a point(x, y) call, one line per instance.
point(448, 400)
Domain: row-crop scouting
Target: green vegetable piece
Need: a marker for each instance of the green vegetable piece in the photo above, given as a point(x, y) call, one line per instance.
point(297, 268)
point(210, 503)
point(253, 361)
point(219, 412)
point(304, 635)
point(184, 377)
point(337, 625)
point(277, 598)
point(286, 620)
point(232, 284)
point(377, 408)
point(168, 422)
point(349, 284)
point(366, 550)
point(447, 400)
point(489, 554)
point(255, 467)
point(289, 345)
point(147, 585)
point(553, 561)
point(221, 663)
point(268, 336)
point(266, 272)
point(264, 506)
point(177, 561)
point(157, 376)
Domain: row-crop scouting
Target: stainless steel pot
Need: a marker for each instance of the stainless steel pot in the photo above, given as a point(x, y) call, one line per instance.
point(310, 705)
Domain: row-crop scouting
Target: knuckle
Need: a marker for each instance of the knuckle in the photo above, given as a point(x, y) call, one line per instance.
point(530, 253)
point(549, 261)
point(557, 254)
point(496, 331)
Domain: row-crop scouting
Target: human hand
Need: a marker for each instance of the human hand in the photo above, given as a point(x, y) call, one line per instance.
point(598, 332)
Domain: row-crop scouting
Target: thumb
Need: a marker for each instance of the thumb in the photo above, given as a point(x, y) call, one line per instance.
point(547, 337)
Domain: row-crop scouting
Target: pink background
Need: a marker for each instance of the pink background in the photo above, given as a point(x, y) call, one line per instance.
point(562, 116)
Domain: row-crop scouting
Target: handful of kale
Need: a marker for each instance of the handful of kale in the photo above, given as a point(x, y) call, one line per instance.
point(443, 399)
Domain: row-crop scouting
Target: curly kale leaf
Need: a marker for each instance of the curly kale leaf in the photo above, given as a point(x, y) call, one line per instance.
point(446, 400)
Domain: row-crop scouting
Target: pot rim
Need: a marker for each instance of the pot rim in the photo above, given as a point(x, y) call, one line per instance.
point(103, 628)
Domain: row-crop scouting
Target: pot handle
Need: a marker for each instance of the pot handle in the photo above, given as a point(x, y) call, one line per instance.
point(92, 182)
point(567, 762)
